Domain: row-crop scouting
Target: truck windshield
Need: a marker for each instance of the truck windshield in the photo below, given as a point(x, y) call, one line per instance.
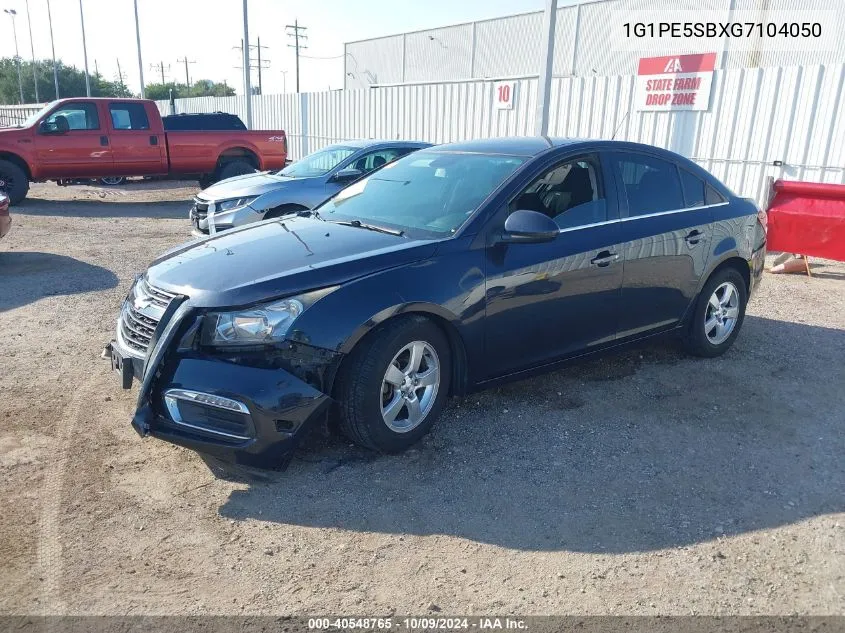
point(32, 118)
point(429, 193)
point(318, 163)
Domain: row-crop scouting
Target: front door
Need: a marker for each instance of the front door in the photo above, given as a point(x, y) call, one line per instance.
point(138, 151)
point(666, 234)
point(73, 142)
point(556, 299)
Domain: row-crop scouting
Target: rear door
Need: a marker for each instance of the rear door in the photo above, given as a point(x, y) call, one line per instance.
point(666, 234)
point(137, 149)
point(72, 141)
point(556, 299)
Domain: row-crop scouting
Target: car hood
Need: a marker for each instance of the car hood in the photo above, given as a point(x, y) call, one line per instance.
point(277, 258)
point(247, 185)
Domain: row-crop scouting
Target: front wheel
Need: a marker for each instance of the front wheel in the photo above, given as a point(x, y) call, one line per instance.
point(394, 385)
point(113, 181)
point(718, 315)
point(13, 181)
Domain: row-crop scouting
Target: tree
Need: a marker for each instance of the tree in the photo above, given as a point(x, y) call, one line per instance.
point(201, 88)
point(71, 82)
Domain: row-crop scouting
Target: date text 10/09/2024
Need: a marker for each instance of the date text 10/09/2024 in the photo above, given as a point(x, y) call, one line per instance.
point(418, 624)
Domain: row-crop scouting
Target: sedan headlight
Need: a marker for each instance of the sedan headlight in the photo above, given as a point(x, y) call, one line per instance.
point(234, 203)
point(265, 324)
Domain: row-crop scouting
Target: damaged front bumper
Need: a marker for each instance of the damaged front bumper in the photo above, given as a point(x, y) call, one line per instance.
point(249, 409)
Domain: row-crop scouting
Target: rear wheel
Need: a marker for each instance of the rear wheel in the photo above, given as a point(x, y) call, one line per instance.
point(718, 316)
point(394, 385)
point(113, 181)
point(206, 180)
point(234, 168)
point(13, 181)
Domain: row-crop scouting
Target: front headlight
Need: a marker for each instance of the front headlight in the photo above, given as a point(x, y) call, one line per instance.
point(234, 203)
point(260, 325)
point(265, 324)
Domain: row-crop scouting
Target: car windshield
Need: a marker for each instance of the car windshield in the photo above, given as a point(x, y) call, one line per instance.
point(432, 192)
point(32, 118)
point(318, 163)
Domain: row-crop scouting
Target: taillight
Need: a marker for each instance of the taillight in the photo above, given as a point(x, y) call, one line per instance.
point(763, 219)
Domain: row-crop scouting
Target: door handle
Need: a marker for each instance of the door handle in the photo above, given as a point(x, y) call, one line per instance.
point(694, 237)
point(104, 141)
point(153, 140)
point(604, 259)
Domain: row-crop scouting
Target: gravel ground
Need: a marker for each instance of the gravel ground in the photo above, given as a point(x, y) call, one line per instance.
point(643, 483)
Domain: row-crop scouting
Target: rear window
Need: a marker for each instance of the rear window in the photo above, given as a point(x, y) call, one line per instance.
point(129, 116)
point(693, 189)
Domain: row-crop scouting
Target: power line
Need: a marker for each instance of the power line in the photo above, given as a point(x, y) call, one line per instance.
point(259, 65)
point(297, 33)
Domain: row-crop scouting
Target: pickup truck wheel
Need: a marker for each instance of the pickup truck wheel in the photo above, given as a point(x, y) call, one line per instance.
point(113, 181)
point(13, 181)
point(394, 384)
point(206, 180)
point(234, 168)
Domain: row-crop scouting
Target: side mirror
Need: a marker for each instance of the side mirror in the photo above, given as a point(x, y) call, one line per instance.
point(347, 175)
point(529, 226)
point(43, 128)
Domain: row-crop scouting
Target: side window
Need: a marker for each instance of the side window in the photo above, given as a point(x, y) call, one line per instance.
point(693, 189)
point(374, 160)
point(651, 185)
point(711, 196)
point(73, 116)
point(570, 193)
point(129, 116)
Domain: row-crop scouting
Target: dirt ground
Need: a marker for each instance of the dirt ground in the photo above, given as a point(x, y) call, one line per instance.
point(643, 483)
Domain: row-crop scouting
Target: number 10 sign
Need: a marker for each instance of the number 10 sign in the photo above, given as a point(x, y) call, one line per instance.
point(503, 92)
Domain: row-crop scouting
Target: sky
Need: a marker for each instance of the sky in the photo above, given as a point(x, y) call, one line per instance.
point(209, 32)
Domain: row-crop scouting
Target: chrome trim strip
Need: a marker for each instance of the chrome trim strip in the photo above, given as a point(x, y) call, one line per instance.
point(171, 396)
point(672, 211)
point(587, 226)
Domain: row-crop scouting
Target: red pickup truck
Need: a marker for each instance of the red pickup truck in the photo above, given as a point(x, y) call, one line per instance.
point(94, 138)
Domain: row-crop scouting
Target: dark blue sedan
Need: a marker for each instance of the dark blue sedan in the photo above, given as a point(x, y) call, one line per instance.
point(447, 271)
point(302, 185)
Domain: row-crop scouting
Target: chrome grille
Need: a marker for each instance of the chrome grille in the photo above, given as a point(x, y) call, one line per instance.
point(140, 316)
point(201, 207)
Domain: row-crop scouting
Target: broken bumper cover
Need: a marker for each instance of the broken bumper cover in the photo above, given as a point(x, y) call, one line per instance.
point(250, 410)
point(247, 415)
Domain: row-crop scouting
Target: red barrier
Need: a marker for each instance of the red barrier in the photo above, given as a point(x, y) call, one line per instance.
point(807, 218)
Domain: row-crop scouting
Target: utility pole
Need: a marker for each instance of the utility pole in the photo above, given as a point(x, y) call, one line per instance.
point(161, 68)
point(138, 40)
point(12, 13)
point(297, 33)
point(247, 86)
point(32, 52)
point(544, 85)
point(53, 48)
point(96, 69)
point(84, 52)
point(187, 76)
point(260, 64)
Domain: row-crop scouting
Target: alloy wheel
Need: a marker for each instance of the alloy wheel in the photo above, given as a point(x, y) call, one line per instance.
point(409, 387)
point(722, 313)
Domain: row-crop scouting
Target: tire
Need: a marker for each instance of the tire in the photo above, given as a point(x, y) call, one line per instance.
point(113, 181)
point(363, 392)
point(13, 181)
point(206, 180)
point(234, 168)
point(714, 326)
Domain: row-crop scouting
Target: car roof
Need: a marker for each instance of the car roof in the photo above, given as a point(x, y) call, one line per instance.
point(367, 143)
point(534, 145)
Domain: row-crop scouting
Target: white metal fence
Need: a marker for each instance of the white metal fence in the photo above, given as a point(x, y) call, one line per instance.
point(757, 117)
point(10, 116)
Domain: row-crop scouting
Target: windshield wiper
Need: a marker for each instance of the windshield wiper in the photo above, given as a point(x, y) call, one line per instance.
point(370, 227)
point(312, 213)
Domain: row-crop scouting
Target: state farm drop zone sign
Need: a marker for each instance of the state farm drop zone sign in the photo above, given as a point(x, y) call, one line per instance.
point(679, 82)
